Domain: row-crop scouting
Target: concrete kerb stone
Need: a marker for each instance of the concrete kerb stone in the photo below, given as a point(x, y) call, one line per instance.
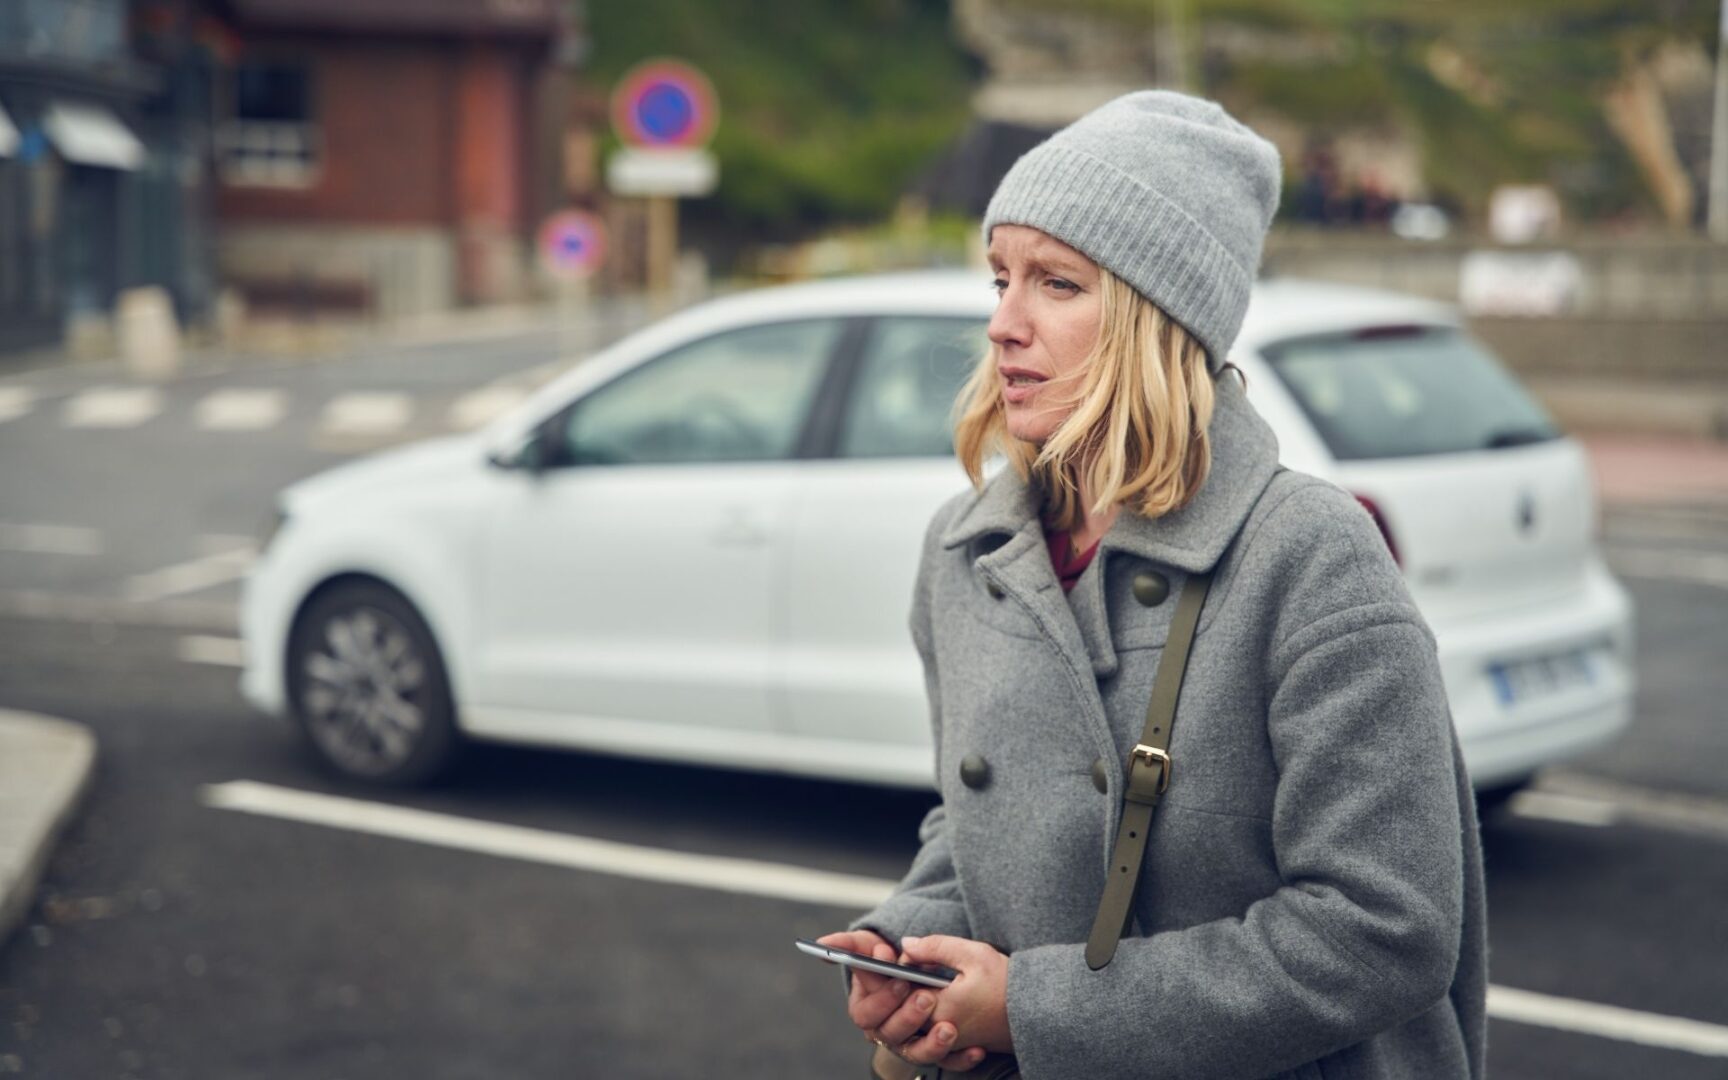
point(45, 768)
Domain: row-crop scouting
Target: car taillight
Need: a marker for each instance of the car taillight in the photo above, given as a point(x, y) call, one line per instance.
point(1380, 523)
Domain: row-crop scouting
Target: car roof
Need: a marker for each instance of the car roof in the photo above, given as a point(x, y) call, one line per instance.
point(1280, 307)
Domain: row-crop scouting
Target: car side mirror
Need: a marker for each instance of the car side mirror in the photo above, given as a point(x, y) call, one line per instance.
point(530, 454)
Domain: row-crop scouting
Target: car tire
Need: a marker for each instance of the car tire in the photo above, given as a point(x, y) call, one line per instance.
point(367, 687)
point(1492, 803)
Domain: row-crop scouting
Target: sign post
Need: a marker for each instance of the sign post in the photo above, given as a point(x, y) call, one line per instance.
point(664, 111)
point(1717, 219)
point(572, 245)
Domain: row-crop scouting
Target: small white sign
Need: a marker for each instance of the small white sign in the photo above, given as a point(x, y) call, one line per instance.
point(1530, 284)
point(680, 173)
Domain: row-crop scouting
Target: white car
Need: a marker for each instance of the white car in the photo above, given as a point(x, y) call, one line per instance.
point(699, 545)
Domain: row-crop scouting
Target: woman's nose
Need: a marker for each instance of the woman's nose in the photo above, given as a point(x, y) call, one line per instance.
point(1009, 325)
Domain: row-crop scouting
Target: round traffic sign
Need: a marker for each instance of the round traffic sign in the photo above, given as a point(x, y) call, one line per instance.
point(572, 243)
point(664, 103)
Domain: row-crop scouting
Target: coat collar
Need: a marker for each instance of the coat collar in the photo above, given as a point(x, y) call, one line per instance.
point(1192, 539)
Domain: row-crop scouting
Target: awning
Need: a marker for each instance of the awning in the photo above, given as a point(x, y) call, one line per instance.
point(91, 135)
point(8, 135)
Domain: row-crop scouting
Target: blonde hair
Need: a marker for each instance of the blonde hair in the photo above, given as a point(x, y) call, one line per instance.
point(1137, 430)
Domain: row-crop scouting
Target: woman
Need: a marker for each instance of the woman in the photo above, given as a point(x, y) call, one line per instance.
point(1310, 901)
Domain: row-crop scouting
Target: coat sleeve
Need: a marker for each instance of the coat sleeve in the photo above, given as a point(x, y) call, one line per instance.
point(928, 899)
point(1362, 932)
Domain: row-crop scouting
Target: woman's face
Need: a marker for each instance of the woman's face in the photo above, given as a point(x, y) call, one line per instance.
point(1045, 326)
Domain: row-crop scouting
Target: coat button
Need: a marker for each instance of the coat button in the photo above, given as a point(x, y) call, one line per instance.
point(994, 590)
point(974, 772)
point(1151, 589)
point(1100, 777)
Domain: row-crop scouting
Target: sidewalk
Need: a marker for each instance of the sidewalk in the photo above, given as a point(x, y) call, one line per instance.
point(45, 767)
point(1643, 468)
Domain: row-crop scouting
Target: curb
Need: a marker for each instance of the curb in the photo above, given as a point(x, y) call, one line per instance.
point(45, 767)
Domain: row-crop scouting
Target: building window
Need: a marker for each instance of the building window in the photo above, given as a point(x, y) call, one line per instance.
point(271, 135)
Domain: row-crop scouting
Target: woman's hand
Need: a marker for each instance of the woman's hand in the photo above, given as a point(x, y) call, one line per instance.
point(972, 1012)
point(889, 1012)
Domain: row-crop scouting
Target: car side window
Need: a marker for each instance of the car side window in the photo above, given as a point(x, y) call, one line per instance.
point(902, 401)
point(741, 395)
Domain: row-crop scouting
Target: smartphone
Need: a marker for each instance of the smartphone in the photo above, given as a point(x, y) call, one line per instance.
point(922, 976)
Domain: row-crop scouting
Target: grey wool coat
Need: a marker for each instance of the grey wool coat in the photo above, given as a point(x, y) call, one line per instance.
point(1312, 901)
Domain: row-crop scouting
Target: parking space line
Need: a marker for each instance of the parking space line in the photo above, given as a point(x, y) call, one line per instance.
point(747, 876)
point(202, 573)
point(1608, 1022)
point(782, 882)
point(209, 649)
point(50, 539)
point(1567, 809)
point(15, 401)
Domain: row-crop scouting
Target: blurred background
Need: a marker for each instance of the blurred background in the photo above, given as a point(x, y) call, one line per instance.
point(245, 241)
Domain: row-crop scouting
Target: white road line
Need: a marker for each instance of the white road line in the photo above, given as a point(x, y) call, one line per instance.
point(50, 539)
point(191, 576)
point(112, 407)
point(207, 649)
point(15, 401)
point(366, 413)
point(474, 409)
point(1647, 807)
point(1608, 1022)
point(239, 409)
point(1693, 567)
point(1567, 809)
point(219, 543)
point(747, 876)
point(781, 882)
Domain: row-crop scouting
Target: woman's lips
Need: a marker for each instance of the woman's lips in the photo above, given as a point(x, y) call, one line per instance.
point(1019, 384)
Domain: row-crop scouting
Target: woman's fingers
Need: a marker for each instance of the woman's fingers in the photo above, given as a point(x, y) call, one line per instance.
point(870, 1010)
point(964, 1060)
point(933, 1046)
point(906, 1021)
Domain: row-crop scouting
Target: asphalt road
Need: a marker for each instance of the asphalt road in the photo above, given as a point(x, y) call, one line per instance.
point(178, 938)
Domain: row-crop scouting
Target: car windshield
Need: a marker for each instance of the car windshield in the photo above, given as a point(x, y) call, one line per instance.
point(1406, 391)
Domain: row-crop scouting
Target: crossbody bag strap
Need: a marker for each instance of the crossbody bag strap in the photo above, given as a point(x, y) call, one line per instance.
point(1148, 776)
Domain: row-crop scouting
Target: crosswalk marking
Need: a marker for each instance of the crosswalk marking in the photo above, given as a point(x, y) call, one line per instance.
point(241, 410)
point(15, 401)
point(487, 403)
point(367, 413)
point(113, 407)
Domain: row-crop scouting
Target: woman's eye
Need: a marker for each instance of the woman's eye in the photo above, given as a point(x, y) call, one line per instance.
point(1062, 284)
point(998, 285)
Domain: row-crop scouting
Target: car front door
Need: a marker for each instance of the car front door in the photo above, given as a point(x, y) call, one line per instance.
point(629, 583)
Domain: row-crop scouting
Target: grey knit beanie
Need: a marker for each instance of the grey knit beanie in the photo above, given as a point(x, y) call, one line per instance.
point(1166, 191)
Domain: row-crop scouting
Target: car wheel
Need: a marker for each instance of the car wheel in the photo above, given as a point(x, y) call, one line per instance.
point(368, 689)
point(1493, 802)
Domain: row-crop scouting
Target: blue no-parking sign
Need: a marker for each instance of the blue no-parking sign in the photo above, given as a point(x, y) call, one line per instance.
point(572, 243)
point(664, 103)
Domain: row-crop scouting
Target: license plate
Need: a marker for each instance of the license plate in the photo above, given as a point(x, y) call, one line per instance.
point(1540, 676)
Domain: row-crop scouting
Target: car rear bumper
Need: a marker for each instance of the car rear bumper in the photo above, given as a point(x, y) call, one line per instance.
point(1504, 742)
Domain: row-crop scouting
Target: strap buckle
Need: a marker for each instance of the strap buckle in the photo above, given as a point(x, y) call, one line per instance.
point(1140, 788)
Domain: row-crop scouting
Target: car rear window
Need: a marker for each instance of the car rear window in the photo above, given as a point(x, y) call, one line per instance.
point(1406, 391)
